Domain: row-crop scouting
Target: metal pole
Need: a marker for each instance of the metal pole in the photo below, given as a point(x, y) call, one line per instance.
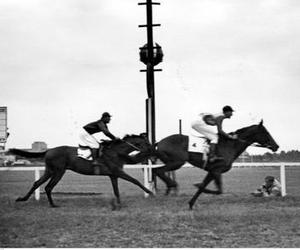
point(180, 127)
point(150, 68)
point(150, 63)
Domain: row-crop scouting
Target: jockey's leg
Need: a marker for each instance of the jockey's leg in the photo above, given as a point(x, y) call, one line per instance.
point(91, 141)
point(213, 153)
point(95, 154)
point(100, 150)
point(95, 162)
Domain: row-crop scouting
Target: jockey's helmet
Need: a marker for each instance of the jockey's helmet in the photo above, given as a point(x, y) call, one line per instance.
point(227, 109)
point(106, 114)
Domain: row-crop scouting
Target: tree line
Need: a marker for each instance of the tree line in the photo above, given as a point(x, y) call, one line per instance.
point(289, 156)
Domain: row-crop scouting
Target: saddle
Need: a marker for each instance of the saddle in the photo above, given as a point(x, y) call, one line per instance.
point(199, 144)
point(85, 152)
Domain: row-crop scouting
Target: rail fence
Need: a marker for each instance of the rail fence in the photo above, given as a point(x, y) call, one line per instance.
point(148, 172)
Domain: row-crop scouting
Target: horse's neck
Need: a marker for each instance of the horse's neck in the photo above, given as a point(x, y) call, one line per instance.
point(232, 149)
point(122, 149)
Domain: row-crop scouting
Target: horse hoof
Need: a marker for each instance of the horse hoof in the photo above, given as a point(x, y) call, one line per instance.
point(20, 199)
point(54, 206)
point(169, 190)
point(190, 206)
point(115, 206)
point(197, 185)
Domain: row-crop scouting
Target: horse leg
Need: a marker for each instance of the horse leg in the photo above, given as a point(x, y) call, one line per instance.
point(51, 184)
point(161, 173)
point(218, 182)
point(167, 180)
point(114, 182)
point(126, 177)
point(208, 178)
point(36, 184)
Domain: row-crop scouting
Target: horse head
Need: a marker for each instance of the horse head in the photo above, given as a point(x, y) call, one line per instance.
point(258, 134)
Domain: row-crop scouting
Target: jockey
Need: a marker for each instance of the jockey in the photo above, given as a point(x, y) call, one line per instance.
point(95, 127)
point(203, 126)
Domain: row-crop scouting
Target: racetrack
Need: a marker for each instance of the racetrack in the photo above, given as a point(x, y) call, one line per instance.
point(234, 219)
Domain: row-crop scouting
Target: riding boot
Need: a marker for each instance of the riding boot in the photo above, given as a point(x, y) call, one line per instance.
point(96, 164)
point(212, 157)
point(100, 151)
point(95, 156)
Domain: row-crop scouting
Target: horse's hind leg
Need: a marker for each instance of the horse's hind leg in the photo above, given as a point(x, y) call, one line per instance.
point(36, 184)
point(218, 182)
point(161, 173)
point(208, 178)
point(167, 180)
point(51, 184)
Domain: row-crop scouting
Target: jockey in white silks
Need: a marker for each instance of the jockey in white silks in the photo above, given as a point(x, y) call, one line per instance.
point(87, 135)
point(203, 125)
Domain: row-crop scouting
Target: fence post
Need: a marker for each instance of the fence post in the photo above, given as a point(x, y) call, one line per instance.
point(36, 177)
point(146, 179)
point(148, 183)
point(282, 180)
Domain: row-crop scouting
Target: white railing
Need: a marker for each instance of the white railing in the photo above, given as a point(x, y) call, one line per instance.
point(148, 173)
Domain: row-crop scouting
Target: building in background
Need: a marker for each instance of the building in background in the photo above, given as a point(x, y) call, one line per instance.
point(38, 146)
point(244, 157)
point(3, 127)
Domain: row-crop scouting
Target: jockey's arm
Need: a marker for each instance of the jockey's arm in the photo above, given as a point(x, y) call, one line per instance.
point(219, 122)
point(106, 132)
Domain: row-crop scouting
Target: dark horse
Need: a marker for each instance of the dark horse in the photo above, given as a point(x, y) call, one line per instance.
point(173, 151)
point(115, 155)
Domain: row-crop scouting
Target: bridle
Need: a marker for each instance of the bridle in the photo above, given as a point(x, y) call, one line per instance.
point(251, 144)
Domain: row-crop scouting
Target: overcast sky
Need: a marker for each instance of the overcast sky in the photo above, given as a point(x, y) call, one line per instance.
point(64, 62)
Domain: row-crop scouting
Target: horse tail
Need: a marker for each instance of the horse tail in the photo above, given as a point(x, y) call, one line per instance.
point(25, 153)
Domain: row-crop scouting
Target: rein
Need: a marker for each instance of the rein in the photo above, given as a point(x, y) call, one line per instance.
point(130, 144)
point(253, 144)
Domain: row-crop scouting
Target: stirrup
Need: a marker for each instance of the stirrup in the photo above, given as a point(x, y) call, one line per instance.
point(215, 158)
point(96, 163)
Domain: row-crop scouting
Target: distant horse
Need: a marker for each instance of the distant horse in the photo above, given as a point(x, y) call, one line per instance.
point(173, 151)
point(115, 155)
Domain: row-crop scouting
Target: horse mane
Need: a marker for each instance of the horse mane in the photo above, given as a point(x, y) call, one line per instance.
point(133, 136)
point(130, 136)
point(242, 130)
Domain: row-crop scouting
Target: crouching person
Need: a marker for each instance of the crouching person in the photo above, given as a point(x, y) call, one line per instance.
point(270, 188)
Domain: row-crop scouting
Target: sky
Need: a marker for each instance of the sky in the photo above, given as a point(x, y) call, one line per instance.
point(64, 62)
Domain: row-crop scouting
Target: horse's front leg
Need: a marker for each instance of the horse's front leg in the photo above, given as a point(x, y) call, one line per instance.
point(208, 178)
point(114, 182)
point(218, 182)
point(126, 177)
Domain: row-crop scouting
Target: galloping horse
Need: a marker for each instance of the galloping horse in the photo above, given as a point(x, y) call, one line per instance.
point(173, 151)
point(115, 155)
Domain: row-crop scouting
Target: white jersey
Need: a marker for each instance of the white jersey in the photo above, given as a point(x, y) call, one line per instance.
point(201, 127)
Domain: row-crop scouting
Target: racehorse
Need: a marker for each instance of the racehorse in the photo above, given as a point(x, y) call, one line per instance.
point(115, 154)
point(173, 151)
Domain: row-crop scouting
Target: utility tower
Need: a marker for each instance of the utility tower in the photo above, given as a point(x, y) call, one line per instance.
point(150, 55)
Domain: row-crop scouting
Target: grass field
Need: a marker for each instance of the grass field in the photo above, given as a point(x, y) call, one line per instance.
point(234, 219)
